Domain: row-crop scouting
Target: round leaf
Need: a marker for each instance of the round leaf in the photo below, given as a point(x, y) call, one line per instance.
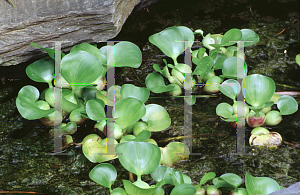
point(287, 105)
point(156, 117)
point(104, 174)
point(231, 88)
point(232, 179)
point(139, 157)
point(231, 69)
point(133, 189)
point(258, 89)
point(231, 37)
point(260, 185)
point(81, 68)
point(203, 65)
point(249, 35)
point(155, 83)
point(174, 152)
point(127, 54)
point(96, 152)
point(30, 92)
point(186, 189)
point(171, 40)
point(95, 109)
point(41, 70)
point(224, 110)
point(206, 177)
point(128, 111)
point(140, 93)
point(90, 49)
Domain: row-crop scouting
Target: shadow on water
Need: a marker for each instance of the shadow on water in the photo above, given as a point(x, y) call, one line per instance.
point(25, 165)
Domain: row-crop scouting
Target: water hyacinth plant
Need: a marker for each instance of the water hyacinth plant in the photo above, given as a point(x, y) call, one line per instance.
point(221, 55)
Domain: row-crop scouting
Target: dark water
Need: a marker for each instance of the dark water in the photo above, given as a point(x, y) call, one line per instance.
point(25, 165)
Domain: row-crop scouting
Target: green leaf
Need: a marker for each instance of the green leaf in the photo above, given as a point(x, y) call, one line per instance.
point(95, 109)
point(26, 105)
point(224, 110)
point(139, 157)
point(218, 61)
point(51, 52)
point(208, 176)
point(186, 189)
point(118, 191)
point(140, 93)
point(258, 89)
point(141, 137)
point(298, 59)
point(155, 83)
point(171, 40)
point(88, 93)
point(232, 179)
point(160, 173)
point(203, 65)
point(260, 185)
point(128, 111)
point(156, 117)
point(231, 37)
point(221, 183)
point(174, 152)
point(231, 69)
point(249, 35)
point(41, 70)
point(80, 68)
point(231, 88)
point(90, 49)
point(104, 174)
point(127, 54)
point(132, 189)
point(287, 105)
point(96, 152)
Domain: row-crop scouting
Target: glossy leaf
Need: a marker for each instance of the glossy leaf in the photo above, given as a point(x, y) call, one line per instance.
point(231, 88)
point(232, 179)
point(127, 54)
point(287, 105)
point(203, 65)
point(26, 104)
point(140, 93)
point(90, 49)
point(66, 105)
point(104, 174)
point(249, 35)
point(186, 189)
point(298, 59)
point(165, 71)
point(219, 183)
point(132, 189)
point(231, 37)
point(258, 89)
point(218, 61)
point(232, 69)
point(118, 191)
point(95, 109)
point(88, 93)
point(80, 68)
point(174, 152)
point(139, 157)
point(171, 40)
point(260, 185)
point(208, 176)
point(141, 137)
point(156, 117)
point(96, 152)
point(155, 83)
point(128, 111)
point(224, 110)
point(160, 173)
point(41, 70)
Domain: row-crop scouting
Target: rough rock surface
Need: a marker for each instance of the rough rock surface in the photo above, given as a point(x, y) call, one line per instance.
point(75, 21)
point(291, 190)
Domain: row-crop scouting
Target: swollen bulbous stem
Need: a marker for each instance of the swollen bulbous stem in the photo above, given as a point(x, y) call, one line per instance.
point(175, 61)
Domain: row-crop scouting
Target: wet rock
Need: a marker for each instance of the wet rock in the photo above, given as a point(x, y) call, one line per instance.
point(293, 189)
point(61, 20)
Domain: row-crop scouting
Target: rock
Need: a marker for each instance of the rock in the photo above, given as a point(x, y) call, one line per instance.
point(291, 190)
point(76, 21)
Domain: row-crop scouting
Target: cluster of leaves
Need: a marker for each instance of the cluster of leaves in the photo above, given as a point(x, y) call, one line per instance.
point(140, 158)
point(230, 183)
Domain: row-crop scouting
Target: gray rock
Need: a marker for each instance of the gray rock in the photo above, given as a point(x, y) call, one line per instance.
point(291, 190)
point(76, 21)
